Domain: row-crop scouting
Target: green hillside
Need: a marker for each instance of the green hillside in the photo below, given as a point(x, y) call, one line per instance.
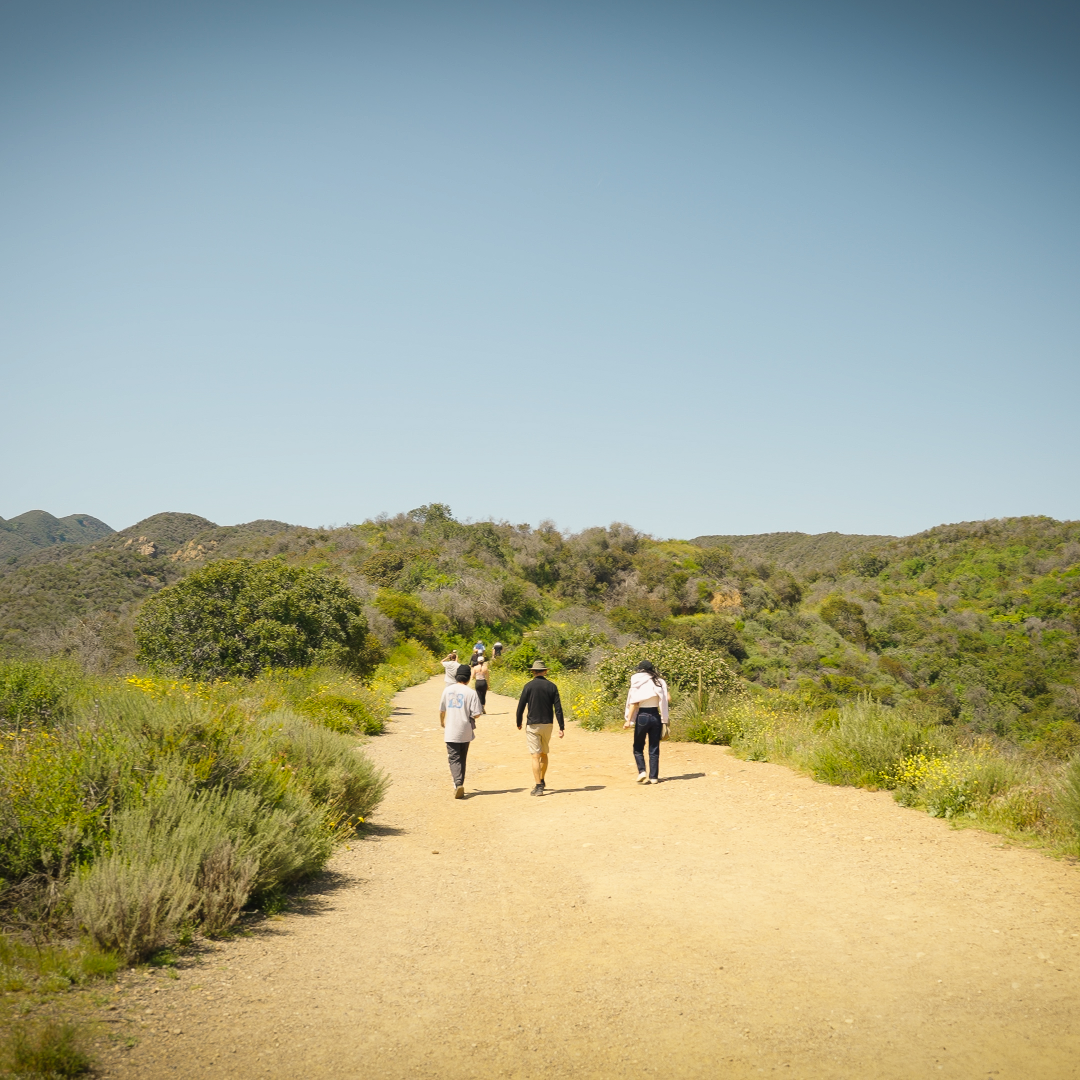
point(37, 529)
point(800, 552)
point(977, 620)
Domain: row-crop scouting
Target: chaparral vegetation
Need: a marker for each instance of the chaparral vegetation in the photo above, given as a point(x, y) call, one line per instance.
point(183, 706)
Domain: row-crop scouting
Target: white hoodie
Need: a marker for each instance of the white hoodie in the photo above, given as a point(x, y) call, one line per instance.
point(643, 691)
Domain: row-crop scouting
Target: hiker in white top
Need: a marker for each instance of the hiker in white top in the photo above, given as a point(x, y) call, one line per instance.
point(647, 713)
point(458, 710)
point(450, 666)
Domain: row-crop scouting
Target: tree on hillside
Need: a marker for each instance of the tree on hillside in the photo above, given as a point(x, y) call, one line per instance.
point(237, 617)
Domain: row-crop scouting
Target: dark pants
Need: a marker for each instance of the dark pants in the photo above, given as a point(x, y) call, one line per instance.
point(648, 724)
point(481, 692)
point(457, 752)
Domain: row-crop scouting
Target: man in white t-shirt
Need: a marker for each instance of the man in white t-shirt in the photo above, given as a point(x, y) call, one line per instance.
point(450, 666)
point(458, 710)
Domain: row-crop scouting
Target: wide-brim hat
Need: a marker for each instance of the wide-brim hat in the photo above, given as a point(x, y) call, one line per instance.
point(538, 665)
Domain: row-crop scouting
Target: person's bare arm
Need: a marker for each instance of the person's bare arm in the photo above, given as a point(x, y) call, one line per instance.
point(442, 718)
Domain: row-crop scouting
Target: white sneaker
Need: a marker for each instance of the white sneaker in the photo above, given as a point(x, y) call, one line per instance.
point(643, 778)
point(654, 781)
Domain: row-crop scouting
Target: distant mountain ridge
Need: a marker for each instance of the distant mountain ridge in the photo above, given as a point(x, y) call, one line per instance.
point(796, 551)
point(46, 584)
point(38, 529)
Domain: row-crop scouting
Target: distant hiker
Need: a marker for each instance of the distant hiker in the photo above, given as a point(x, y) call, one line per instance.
point(480, 674)
point(450, 666)
point(478, 647)
point(496, 650)
point(542, 698)
point(476, 657)
point(458, 710)
point(647, 713)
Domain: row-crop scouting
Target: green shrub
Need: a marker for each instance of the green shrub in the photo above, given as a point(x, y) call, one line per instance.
point(869, 741)
point(846, 618)
point(684, 668)
point(407, 664)
point(1069, 799)
point(324, 695)
point(46, 819)
point(410, 618)
point(709, 633)
point(523, 656)
point(238, 617)
point(49, 1050)
point(35, 693)
point(564, 646)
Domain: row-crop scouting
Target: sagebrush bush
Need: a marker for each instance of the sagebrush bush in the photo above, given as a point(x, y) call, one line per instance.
point(869, 740)
point(187, 856)
point(328, 767)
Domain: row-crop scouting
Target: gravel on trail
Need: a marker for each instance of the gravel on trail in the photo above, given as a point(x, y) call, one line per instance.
point(733, 921)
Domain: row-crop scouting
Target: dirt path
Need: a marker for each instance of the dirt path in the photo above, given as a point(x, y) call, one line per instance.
point(734, 921)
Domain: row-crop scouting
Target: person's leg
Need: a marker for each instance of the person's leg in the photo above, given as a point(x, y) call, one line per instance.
point(481, 693)
point(537, 775)
point(542, 763)
point(640, 730)
point(455, 753)
point(656, 729)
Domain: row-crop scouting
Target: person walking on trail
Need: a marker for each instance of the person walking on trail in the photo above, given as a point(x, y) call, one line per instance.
point(647, 713)
point(458, 709)
point(541, 697)
point(480, 674)
point(450, 666)
point(496, 650)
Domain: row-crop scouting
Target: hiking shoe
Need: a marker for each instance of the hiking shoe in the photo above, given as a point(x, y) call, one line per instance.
point(459, 792)
point(543, 784)
point(538, 790)
point(643, 778)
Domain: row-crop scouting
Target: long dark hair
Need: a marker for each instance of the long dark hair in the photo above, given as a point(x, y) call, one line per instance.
point(647, 667)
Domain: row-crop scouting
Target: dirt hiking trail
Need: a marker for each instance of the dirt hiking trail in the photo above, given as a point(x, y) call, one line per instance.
point(736, 920)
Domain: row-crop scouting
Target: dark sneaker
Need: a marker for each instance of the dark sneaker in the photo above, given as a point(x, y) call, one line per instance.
point(543, 784)
point(538, 790)
point(459, 792)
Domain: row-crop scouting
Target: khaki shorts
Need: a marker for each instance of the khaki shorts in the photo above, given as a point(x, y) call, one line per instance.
point(538, 737)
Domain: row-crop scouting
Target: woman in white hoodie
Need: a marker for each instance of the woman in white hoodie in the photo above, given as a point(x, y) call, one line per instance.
point(647, 713)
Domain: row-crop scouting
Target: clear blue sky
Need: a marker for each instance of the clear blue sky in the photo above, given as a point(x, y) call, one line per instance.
point(697, 267)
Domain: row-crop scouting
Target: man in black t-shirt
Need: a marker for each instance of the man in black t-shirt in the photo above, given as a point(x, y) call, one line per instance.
point(541, 697)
